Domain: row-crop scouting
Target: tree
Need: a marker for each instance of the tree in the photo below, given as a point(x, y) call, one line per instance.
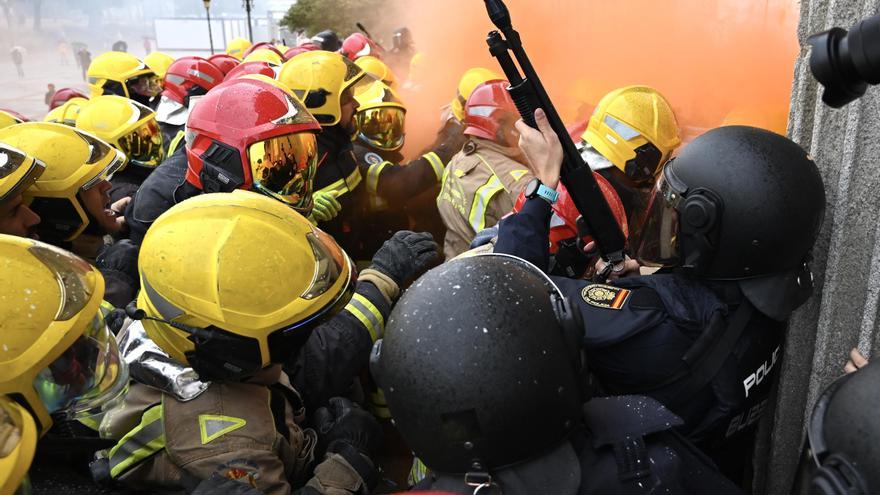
point(314, 16)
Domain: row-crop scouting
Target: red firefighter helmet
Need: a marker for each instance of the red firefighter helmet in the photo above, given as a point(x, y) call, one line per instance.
point(564, 232)
point(62, 95)
point(253, 67)
point(15, 115)
point(190, 76)
point(296, 50)
point(358, 45)
point(489, 111)
point(263, 45)
point(253, 133)
point(224, 62)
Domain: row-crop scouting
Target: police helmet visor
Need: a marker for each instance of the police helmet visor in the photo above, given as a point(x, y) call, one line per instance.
point(382, 127)
point(283, 167)
point(143, 146)
point(148, 85)
point(658, 239)
point(88, 378)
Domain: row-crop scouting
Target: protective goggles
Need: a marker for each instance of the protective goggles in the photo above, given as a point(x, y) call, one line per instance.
point(283, 167)
point(382, 127)
point(148, 85)
point(658, 244)
point(88, 378)
point(143, 146)
point(18, 171)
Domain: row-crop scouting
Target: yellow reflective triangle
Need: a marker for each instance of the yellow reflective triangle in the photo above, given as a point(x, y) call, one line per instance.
point(212, 427)
point(518, 174)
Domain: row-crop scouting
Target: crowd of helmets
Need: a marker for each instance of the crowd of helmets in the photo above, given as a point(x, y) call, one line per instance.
point(221, 275)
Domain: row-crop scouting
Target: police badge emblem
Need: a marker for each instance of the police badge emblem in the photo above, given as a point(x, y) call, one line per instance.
point(605, 296)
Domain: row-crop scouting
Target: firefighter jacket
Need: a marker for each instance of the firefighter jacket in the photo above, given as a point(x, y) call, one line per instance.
point(480, 185)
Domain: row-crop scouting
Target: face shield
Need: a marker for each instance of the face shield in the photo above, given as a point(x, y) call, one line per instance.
point(382, 127)
point(658, 238)
point(146, 85)
point(143, 146)
point(88, 378)
point(283, 167)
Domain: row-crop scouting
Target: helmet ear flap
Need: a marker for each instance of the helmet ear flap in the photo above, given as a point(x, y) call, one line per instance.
point(221, 169)
point(699, 227)
point(837, 476)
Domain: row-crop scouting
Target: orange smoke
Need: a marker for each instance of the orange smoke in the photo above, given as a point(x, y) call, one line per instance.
point(713, 59)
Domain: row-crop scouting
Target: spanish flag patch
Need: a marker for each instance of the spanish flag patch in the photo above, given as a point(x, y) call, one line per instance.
point(605, 296)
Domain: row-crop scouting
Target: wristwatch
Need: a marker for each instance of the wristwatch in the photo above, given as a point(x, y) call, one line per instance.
point(536, 189)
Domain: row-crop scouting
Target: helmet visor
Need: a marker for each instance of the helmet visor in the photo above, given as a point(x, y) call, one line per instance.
point(283, 167)
point(148, 85)
point(382, 127)
point(88, 378)
point(658, 244)
point(143, 145)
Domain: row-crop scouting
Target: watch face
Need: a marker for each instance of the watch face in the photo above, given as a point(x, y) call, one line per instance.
point(532, 188)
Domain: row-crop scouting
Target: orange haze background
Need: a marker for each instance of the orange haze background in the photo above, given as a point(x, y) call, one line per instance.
point(716, 61)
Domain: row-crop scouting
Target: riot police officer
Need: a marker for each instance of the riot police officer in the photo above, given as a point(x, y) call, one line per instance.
point(731, 222)
point(490, 396)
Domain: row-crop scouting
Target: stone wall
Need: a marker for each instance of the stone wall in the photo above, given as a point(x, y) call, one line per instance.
point(843, 312)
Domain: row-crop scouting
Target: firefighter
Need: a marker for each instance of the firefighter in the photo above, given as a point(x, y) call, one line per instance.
point(731, 225)
point(326, 83)
point(123, 74)
point(391, 184)
point(71, 198)
point(58, 359)
point(481, 182)
point(378, 69)
point(186, 77)
point(158, 62)
point(224, 62)
point(61, 96)
point(252, 133)
point(132, 129)
point(631, 133)
point(19, 171)
point(67, 112)
point(216, 314)
point(236, 47)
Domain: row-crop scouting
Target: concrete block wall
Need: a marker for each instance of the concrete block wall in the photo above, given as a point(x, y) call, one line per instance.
point(843, 312)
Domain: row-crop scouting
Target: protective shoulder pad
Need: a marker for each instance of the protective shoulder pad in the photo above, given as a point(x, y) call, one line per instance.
point(615, 419)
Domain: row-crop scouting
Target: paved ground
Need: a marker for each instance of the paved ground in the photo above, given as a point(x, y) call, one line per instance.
point(40, 68)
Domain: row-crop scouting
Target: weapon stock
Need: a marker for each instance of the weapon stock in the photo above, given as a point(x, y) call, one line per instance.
point(528, 94)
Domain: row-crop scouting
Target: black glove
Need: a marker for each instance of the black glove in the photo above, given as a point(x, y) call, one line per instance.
point(349, 431)
point(121, 256)
point(406, 255)
point(346, 422)
point(115, 319)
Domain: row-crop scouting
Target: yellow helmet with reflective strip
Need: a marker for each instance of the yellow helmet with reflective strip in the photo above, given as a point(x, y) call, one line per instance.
point(158, 62)
point(75, 161)
point(56, 354)
point(319, 78)
point(261, 279)
point(378, 69)
point(67, 112)
point(264, 55)
point(381, 116)
point(635, 129)
point(127, 126)
point(18, 171)
point(467, 84)
point(18, 442)
point(114, 67)
point(237, 46)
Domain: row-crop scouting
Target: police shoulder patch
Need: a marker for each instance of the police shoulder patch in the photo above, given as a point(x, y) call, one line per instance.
point(372, 158)
point(605, 296)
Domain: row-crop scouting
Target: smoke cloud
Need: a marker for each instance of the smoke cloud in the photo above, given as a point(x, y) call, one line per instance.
point(717, 61)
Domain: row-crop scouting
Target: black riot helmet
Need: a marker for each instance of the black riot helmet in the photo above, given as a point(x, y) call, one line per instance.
point(480, 365)
point(739, 203)
point(844, 436)
point(328, 40)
